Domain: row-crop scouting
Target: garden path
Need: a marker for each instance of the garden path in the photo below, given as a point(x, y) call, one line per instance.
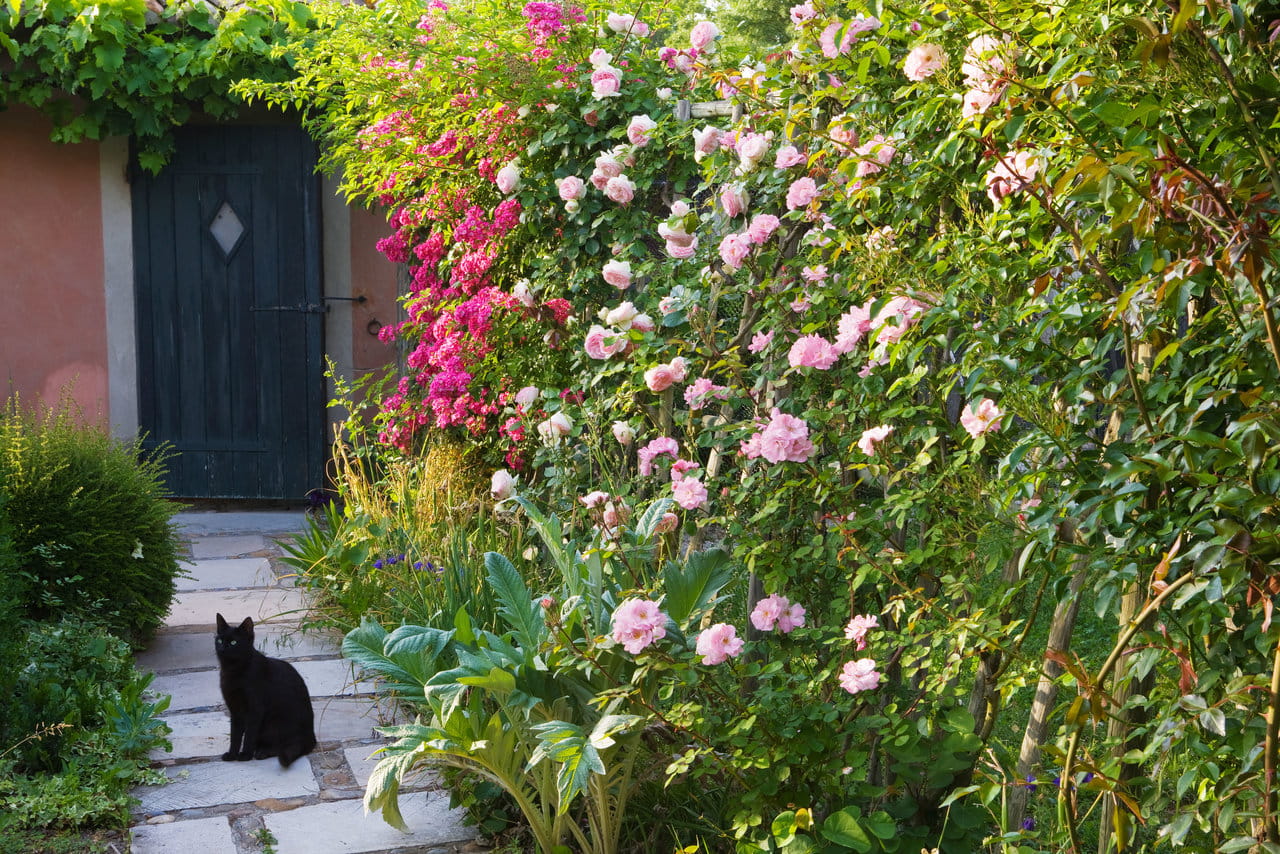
point(313, 807)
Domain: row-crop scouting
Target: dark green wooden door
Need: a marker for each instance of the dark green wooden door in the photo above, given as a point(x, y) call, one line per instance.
point(227, 266)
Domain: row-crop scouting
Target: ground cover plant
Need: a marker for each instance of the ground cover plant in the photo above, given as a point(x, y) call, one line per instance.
point(87, 566)
point(955, 321)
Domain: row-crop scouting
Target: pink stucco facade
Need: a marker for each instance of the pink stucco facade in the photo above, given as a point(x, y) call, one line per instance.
point(53, 328)
point(65, 289)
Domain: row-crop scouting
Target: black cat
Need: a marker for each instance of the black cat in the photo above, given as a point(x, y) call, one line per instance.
point(266, 697)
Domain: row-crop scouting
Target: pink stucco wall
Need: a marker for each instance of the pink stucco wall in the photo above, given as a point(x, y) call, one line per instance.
point(53, 330)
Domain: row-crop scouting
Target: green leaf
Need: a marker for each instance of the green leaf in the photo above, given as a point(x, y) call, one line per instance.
point(515, 603)
point(692, 588)
point(109, 57)
point(652, 516)
point(843, 828)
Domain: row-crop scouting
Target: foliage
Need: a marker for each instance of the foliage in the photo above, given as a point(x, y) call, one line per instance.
point(78, 731)
point(966, 321)
point(89, 519)
point(136, 68)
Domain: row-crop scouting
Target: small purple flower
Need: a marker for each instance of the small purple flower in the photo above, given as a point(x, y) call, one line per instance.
point(1087, 777)
point(1030, 785)
point(1028, 823)
point(377, 564)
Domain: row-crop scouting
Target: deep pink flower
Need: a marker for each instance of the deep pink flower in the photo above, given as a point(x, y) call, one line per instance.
point(656, 448)
point(719, 643)
point(759, 341)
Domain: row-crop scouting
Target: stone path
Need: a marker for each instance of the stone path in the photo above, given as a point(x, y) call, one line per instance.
point(313, 807)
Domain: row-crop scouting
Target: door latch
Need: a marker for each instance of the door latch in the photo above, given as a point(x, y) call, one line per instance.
point(304, 308)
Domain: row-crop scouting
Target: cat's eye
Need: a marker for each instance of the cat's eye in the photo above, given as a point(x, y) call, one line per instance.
point(233, 643)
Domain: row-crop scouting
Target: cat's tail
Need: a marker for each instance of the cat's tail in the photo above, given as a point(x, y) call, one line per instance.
point(297, 749)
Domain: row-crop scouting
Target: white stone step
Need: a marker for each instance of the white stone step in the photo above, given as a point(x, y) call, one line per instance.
point(342, 827)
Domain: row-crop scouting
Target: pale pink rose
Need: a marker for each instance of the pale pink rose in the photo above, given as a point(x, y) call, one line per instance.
point(858, 627)
point(841, 130)
point(683, 63)
point(637, 623)
point(734, 198)
point(689, 492)
point(703, 36)
point(667, 305)
point(681, 251)
point(978, 100)
point(784, 439)
point(789, 156)
point(608, 165)
point(803, 12)
point(502, 485)
point(639, 129)
point(622, 316)
point(659, 378)
point(800, 305)
point(618, 274)
point(719, 643)
point(508, 178)
point(853, 327)
point(765, 614)
point(859, 675)
point(571, 188)
point(523, 295)
point(987, 61)
point(814, 275)
point(615, 513)
point(598, 179)
point(752, 148)
point(734, 249)
point(527, 396)
point(981, 420)
point(601, 343)
point(668, 523)
point(801, 193)
point(623, 432)
point(679, 208)
point(701, 391)
point(680, 467)
point(812, 351)
point(759, 341)
point(875, 153)
point(594, 499)
point(555, 428)
point(761, 227)
point(606, 82)
point(643, 323)
point(924, 61)
point(625, 23)
point(600, 58)
point(661, 446)
point(896, 317)
point(881, 238)
point(680, 368)
point(620, 189)
point(705, 141)
point(792, 617)
point(1012, 174)
point(871, 438)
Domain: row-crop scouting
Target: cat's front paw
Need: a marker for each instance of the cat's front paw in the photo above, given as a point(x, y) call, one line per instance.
point(263, 753)
point(228, 757)
point(244, 756)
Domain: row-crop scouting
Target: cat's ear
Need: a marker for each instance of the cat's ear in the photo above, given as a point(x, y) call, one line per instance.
point(247, 625)
point(222, 624)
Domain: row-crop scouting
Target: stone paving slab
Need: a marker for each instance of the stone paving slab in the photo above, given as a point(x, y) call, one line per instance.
point(188, 650)
point(198, 608)
point(199, 735)
point(199, 689)
point(194, 836)
point(204, 523)
point(227, 546)
point(342, 827)
point(226, 573)
point(208, 784)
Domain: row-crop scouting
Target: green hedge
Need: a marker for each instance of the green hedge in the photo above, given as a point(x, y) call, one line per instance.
point(88, 519)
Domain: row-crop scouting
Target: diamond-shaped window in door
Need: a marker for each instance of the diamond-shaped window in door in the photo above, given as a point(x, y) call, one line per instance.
point(227, 229)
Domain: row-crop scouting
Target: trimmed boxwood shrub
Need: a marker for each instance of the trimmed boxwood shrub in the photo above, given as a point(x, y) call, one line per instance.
point(89, 522)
